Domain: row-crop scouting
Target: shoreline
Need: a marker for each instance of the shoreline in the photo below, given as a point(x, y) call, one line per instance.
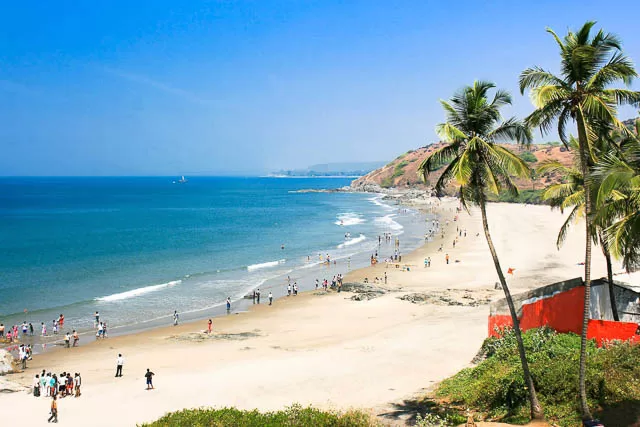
point(240, 304)
point(325, 349)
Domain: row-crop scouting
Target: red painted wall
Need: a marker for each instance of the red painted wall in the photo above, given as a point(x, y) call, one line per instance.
point(608, 330)
point(563, 312)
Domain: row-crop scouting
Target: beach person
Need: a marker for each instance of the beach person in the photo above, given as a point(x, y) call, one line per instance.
point(228, 304)
point(1, 330)
point(25, 328)
point(289, 290)
point(385, 277)
point(104, 329)
point(55, 326)
point(175, 318)
point(53, 380)
point(258, 295)
point(77, 383)
point(428, 261)
point(447, 258)
point(44, 385)
point(61, 320)
point(119, 365)
point(97, 317)
point(100, 330)
point(316, 284)
point(425, 263)
point(76, 338)
point(209, 326)
point(295, 288)
point(9, 335)
point(36, 386)
point(30, 329)
point(44, 329)
point(54, 410)
point(22, 353)
point(69, 384)
point(149, 376)
point(67, 340)
point(270, 298)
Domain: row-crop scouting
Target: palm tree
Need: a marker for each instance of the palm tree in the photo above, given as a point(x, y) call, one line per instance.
point(569, 194)
point(481, 167)
point(619, 175)
point(582, 93)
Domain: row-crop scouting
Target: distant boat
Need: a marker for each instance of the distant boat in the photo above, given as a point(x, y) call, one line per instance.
point(182, 180)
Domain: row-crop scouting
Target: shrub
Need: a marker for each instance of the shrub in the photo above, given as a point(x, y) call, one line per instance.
point(528, 157)
point(495, 387)
point(293, 416)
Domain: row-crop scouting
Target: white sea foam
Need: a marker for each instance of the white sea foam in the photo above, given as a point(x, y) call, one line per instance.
point(377, 200)
point(354, 241)
point(266, 265)
point(137, 292)
point(388, 222)
point(349, 218)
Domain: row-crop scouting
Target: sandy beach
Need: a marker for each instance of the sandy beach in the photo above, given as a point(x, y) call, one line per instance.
point(317, 348)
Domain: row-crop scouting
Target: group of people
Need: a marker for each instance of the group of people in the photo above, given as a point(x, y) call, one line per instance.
point(336, 283)
point(51, 385)
point(47, 384)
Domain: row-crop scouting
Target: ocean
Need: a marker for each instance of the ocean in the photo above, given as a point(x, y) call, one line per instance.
point(137, 248)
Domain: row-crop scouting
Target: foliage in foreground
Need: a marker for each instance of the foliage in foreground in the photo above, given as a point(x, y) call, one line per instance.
point(495, 387)
point(292, 416)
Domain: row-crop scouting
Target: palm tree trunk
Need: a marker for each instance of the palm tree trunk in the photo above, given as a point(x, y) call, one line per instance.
point(536, 409)
point(584, 160)
point(612, 296)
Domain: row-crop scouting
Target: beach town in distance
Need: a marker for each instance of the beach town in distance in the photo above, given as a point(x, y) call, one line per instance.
point(486, 277)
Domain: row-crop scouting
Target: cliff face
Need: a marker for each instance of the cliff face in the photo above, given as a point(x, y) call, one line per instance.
point(402, 172)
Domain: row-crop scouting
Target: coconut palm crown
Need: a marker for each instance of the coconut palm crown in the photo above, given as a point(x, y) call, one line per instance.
point(475, 161)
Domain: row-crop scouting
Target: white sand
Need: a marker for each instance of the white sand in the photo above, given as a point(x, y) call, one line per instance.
point(324, 350)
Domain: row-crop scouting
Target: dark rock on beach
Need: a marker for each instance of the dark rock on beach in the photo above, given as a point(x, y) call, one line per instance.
point(363, 291)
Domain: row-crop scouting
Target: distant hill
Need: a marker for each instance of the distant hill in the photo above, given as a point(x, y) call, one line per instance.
point(403, 171)
point(334, 169)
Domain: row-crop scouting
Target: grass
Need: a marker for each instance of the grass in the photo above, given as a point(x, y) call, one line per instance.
point(293, 416)
point(495, 387)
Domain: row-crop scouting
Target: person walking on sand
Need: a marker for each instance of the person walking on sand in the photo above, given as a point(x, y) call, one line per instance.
point(149, 376)
point(385, 277)
point(289, 290)
point(270, 298)
point(228, 304)
point(97, 316)
point(209, 325)
point(76, 338)
point(446, 257)
point(119, 364)
point(175, 318)
point(258, 295)
point(54, 410)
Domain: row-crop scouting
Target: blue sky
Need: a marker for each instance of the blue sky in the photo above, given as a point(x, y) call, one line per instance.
point(172, 88)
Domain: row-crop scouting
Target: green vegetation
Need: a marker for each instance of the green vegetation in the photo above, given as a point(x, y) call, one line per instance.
point(398, 170)
point(496, 388)
point(294, 416)
point(386, 182)
point(528, 157)
point(532, 197)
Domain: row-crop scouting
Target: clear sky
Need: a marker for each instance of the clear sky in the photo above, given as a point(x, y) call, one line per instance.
point(186, 87)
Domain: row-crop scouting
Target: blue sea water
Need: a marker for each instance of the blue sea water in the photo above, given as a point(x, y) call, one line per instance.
point(135, 249)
